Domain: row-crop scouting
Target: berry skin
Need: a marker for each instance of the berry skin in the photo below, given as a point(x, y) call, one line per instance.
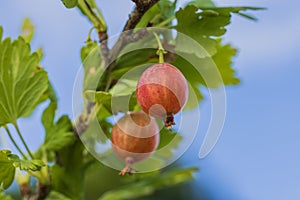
point(134, 138)
point(162, 91)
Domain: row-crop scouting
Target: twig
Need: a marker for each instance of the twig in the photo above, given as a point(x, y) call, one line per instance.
point(103, 37)
point(25, 191)
point(142, 6)
point(109, 56)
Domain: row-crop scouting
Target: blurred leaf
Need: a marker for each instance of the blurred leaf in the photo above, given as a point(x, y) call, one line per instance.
point(1, 32)
point(68, 176)
point(203, 24)
point(220, 61)
point(124, 87)
point(85, 6)
point(134, 57)
point(59, 135)
point(149, 185)
point(33, 165)
point(167, 8)
point(91, 61)
point(22, 84)
point(98, 97)
point(200, 28)
point(122, 101)
point(86, 50)
point(217, 70)
point(56, 196)
point(223, 60)
point(194, 97)
point(148, 16)
point(40, 53)
point(159, 12)
point(27, 30)
point(237, 10)
point(48, 116)
point(103, 113)
point(169, 141)
point(70, 3)
point(202, 3)
point(7, 169)
point(5, 197)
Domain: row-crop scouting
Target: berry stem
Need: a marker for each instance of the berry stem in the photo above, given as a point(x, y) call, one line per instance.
point(161, 51)
point(14, 142)
point(128, 169)
point(169, 122)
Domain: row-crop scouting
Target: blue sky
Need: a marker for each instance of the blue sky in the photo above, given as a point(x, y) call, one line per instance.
point(256, 157)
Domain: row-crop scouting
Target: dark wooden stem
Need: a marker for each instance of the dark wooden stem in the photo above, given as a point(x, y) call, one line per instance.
point(142, 6)
point(25, 191)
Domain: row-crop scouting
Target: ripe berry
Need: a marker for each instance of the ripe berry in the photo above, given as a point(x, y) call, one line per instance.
point(134, 138)
point(162, 91)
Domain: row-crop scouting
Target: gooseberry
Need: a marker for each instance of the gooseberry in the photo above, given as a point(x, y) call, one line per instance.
point(162, 91)
point(134, 138)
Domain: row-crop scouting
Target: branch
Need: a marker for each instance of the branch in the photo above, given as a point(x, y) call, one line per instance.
point(127, 36)
point(142, 6)
point(103, 37)
point(25, 191)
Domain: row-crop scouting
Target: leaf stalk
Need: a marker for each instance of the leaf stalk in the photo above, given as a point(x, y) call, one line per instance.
point(15, 143)
point(22, 139)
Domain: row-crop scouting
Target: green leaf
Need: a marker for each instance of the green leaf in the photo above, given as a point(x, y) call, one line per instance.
point(67, 178)
point(91, 59)
point(7, 169)
point(32, 165)
point(99, 97)
point(237, 10)
point(148, 16)
point(96, 17)
point(149, 185)
point(202, 3)
point(59, 135)
point(200, 27)
point(167, 8)
point(159, 12)
point(1, 32)
point(70, 3)
point(56, 196)
point(48, 116)
point(51, 94)
point(203, 24)
point(170, 138)
point(223, 60)
point(166, 136)
point(22, 84)
point(117, 101)
point(217, 70)
point(27, 30)
point(5, 197)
